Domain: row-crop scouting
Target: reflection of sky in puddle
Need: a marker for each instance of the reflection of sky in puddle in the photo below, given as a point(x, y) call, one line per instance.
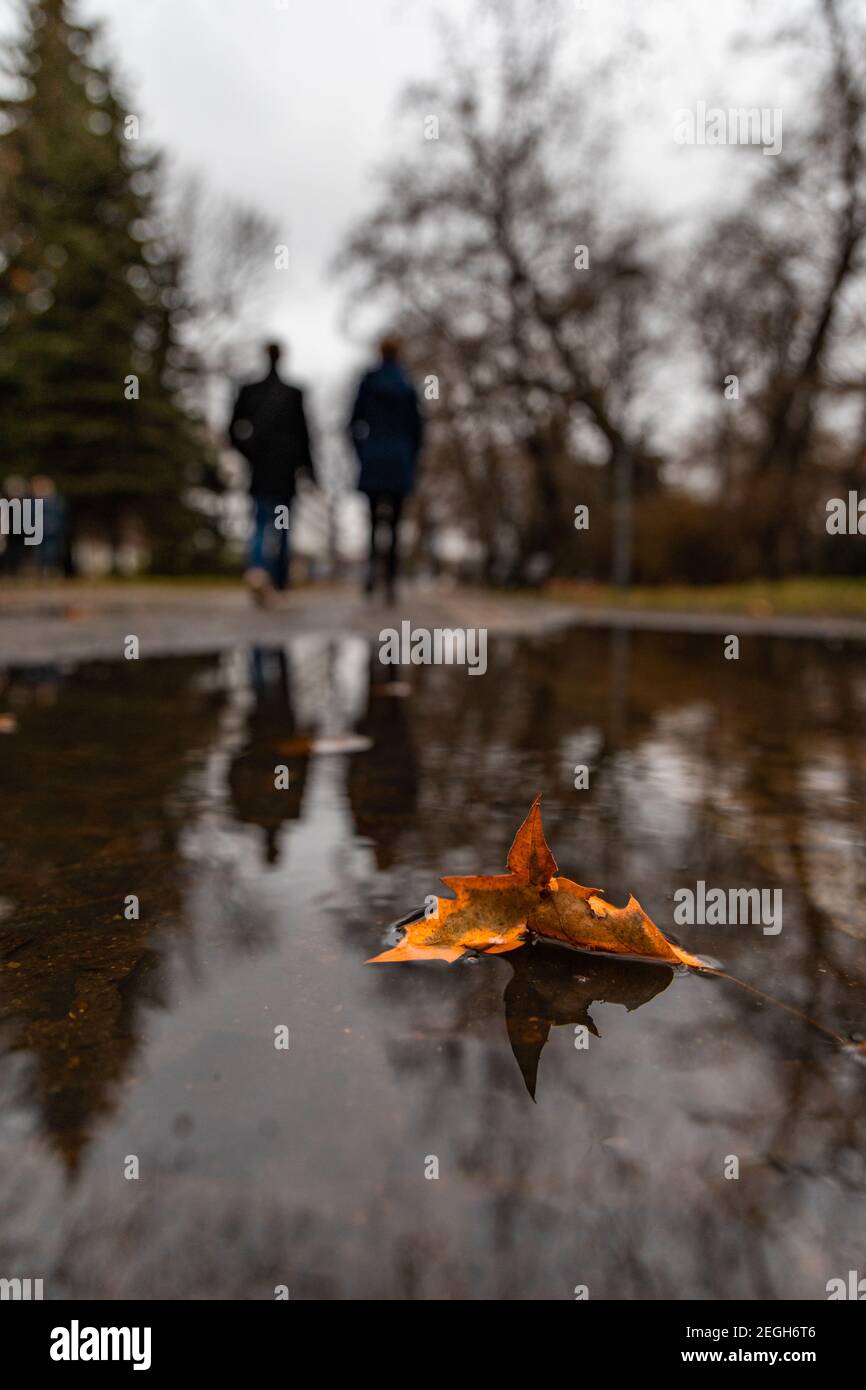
point(259, 908)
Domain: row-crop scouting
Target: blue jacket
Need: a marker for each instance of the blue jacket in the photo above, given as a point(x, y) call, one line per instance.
point(387, 427)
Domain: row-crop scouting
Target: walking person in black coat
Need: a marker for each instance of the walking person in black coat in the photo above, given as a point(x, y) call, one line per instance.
point(387, 429)
point(269, 428)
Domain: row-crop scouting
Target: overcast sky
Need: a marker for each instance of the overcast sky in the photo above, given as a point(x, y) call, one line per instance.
point(292, 106)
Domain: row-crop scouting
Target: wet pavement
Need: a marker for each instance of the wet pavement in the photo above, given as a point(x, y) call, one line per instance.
point(151, 1039)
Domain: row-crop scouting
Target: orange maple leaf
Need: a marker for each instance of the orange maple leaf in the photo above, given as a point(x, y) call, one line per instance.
point(497, 912)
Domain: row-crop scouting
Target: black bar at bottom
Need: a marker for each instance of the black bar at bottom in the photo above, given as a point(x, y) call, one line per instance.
point(77, 1338)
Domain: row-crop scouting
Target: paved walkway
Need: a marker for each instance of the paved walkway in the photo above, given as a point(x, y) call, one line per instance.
point(52, 622)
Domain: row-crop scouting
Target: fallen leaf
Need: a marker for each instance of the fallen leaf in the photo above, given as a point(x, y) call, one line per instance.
point(498, 912)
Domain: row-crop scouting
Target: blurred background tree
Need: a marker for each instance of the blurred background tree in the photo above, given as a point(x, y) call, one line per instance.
point(109, 327)
point(572, 346)
point(551, 373)
point(777, 292)
point(89, 297)
point(517, 279)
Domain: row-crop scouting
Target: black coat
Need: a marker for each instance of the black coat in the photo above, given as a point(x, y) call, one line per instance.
point(269, 428)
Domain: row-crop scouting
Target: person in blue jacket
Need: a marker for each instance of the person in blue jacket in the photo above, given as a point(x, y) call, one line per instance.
point(387, 429)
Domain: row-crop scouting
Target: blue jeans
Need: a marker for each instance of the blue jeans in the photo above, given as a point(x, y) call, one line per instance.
point(269, 546)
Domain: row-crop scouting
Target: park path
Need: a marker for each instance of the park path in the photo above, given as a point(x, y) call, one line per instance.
point(77, 621)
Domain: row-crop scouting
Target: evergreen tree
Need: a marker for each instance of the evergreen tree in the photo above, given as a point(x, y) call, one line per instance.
point(91, 371)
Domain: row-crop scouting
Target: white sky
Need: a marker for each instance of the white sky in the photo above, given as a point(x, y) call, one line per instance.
point(292, 108)
point(288, 109)
point(292, 104)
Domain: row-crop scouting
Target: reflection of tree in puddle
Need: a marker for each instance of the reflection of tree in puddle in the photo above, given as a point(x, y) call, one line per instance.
point(93, 811)
point(552, 987)
point(144, 774)
point(742, 773)
point(689, 778)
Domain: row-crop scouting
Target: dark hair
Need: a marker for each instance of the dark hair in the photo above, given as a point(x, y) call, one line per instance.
point(389, 347)
point(274, 352)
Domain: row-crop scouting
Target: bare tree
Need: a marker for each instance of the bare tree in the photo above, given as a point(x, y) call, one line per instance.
point(520, 285)
point(227, 250)
point(779, 298)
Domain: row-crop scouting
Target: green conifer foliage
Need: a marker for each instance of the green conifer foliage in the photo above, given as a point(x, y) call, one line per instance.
point(90, 296)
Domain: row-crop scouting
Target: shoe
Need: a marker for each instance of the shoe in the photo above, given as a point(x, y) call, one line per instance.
point(259, 584)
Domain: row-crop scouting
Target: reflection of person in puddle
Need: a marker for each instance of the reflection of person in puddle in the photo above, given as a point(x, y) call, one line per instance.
point(383, 783)
point(255, 797)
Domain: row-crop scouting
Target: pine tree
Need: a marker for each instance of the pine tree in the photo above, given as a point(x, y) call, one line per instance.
point(91, 371)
